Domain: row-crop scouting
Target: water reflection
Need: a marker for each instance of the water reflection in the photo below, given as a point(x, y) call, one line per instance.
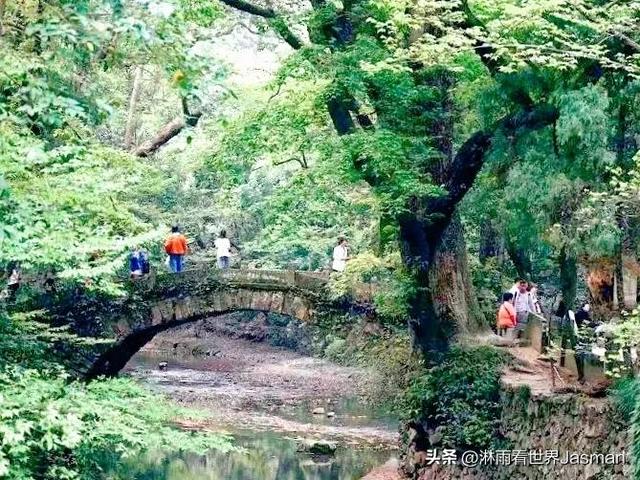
point(272, 392)
point(265, 456)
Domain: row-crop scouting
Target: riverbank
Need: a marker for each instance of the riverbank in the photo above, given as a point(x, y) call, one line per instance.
point(274, 400)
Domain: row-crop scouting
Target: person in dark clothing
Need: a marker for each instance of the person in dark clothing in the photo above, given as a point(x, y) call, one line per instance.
point(571, 340)
point(583, 316)
point(562, 309)
point(50, 289)
point(144, 262)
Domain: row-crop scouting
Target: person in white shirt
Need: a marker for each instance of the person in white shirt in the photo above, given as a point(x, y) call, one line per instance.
point(340, 255)
point(14, 282)
point(523, 303)
point(223, 250)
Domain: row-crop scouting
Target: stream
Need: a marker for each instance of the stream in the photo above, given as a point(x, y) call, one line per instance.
point(279, 406)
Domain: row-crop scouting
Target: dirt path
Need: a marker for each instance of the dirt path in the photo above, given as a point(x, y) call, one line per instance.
point(530, 369)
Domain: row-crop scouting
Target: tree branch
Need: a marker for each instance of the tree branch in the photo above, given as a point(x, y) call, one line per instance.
point(302, 161)
point(251, 8)
point(2, 8)
point(275, 20)
point(170, 130)
point(166, 133)
point(484, 50)
point(469, 160)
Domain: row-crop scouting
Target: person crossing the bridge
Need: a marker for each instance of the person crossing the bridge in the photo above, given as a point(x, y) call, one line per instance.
point(135, 265)
point(340, 255)
point(223, 250)
point(176, 247)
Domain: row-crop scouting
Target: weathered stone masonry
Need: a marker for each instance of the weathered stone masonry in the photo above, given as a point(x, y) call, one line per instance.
point(567, 423)
point(160, 303)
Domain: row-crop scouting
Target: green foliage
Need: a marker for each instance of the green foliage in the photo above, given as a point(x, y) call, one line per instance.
point(202, 13)
point(68, 204)
point(546, 34)
point(392, 286)
point(584, 129)
point(335, 349)
point(385, 352)
point(53, 429)
point(460, 398)
point(625, 396)
point(627, 401)
point(490, 279)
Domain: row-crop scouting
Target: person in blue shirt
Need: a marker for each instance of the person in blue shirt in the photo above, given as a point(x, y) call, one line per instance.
point(145, 266)
point(135, 264)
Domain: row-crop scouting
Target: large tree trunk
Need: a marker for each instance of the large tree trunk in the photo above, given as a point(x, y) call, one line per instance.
point(520, 259)
point(445, 303)
point(3, 4)
point(428, 330)
point(446, 297)
point(133, 104)
point(37, 44)
point(629, 268)
point(491, 244)
point(454, 297)
point(600, 281)
point(568, 276)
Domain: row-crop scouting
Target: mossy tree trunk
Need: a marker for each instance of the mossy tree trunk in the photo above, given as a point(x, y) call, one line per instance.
point(568, 276)
point(491, 241)
point(454, 296)
point(520, 259)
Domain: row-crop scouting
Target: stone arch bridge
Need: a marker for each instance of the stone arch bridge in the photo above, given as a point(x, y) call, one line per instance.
point(165, 301)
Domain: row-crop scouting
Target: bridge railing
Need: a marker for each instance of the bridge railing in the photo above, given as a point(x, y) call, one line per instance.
point(314, 282)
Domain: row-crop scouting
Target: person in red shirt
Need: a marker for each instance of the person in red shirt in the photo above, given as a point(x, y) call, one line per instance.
point(506, 314)
point(176, 248)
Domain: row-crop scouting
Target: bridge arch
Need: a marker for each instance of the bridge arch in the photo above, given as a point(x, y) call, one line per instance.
point(168, 301)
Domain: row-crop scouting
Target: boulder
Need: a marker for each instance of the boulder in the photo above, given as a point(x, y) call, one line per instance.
point(317, 447)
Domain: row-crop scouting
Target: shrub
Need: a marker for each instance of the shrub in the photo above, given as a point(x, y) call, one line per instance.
point(335, 349)
point(53, 429)
point(460, 398)
point(394, 286)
